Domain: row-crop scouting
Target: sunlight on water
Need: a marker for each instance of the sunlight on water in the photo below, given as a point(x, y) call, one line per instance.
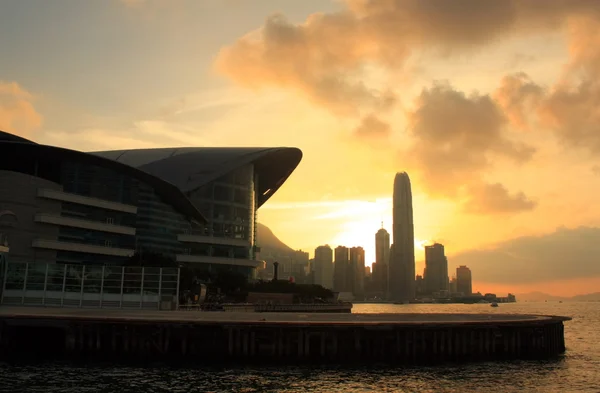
point(578, 371)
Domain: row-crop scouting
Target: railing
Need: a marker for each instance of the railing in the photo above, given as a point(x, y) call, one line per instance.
point(89, 286)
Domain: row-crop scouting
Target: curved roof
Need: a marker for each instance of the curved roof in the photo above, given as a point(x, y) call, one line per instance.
point(190, 168)
point(6, 137)
point(167, 191)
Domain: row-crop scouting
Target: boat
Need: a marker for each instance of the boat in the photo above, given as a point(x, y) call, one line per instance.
point(494, 304)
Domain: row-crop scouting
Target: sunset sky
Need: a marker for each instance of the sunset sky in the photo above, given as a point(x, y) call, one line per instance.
point(492, 107)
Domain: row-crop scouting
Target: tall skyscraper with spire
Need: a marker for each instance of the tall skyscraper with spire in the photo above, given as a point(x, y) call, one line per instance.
point(382, 260)
point(401, 272)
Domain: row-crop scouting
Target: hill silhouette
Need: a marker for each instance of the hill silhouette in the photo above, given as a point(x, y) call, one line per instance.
point(540, 297)
point(269, 243)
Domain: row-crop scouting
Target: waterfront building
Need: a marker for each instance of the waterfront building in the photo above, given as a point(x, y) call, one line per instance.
point(323, 266)
point(464, 282)
point(436, 268)
point(401, 270)
point(195, 206)
point(452, 286)
point(340, 269)
point(356, 278)
point(382, 260)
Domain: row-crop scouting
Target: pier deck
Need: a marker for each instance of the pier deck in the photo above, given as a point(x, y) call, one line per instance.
point(246, 336)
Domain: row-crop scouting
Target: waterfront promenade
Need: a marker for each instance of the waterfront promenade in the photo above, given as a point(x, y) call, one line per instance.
point(311, 337)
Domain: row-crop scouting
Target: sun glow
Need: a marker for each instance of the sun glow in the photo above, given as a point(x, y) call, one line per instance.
point(420, 244)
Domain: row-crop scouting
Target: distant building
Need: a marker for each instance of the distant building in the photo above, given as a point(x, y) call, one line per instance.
point(356, 276)
point(401, 271)
point(382, 260)
point(420, 286)
point(452, 287)
point(323, 267)
point(464, 281)
point(436, 268)
point(340, 269)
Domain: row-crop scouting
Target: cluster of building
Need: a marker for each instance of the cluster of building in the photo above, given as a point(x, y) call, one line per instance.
point(392, 275)
point(194, 206)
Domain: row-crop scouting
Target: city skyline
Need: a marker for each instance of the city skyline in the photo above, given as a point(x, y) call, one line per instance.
point(485, 105)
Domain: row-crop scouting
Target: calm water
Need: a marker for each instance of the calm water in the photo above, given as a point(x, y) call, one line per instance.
point(577, 371)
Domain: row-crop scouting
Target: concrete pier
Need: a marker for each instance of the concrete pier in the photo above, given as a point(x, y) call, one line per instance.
point(278, 337)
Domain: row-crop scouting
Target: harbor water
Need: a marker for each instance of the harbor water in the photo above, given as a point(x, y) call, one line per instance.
point(577, 371)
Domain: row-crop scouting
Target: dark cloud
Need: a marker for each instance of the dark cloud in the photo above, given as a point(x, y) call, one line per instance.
point(572, 112)
point(373, 128)
point(325, 56)
point(496, 199)
point(517, 96)
point(455, 137)
point(564, 254)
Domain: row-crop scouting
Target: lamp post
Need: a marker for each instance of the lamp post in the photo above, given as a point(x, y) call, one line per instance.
point(275, 271)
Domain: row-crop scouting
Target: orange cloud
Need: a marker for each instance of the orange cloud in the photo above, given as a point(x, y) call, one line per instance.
point(372, 128)
point(17, 113)
point(329, 57)
point(454, 138)
point(517, 96)
point(495, 198)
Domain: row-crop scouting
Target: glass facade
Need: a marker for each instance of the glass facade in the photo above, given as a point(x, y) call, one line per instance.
point(229, 204)
point(88, 286)
point(157, 223)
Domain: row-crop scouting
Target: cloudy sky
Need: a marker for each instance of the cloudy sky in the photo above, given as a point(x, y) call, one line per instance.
point(492, 107)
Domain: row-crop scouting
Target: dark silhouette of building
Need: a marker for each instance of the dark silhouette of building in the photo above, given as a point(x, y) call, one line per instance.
point(323, 266)
point(401, 271)
point(356, 276)
point(436, 268)
point(196, 206)
point(464, 281)
point(340, 269)
point(382, 260)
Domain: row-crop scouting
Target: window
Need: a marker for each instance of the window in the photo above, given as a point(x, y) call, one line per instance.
point(222, 212)
point(240, 232)
point(241, 196)
point(222, 193)
point(110, 220)
point(107, 243)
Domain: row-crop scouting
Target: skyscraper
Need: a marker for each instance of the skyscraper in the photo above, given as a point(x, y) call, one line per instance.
point(382, 260)
point(464, 281)
point(436, 269)
point(356, 276)
point(340, 269)
point(401, 277)
point(324, 266)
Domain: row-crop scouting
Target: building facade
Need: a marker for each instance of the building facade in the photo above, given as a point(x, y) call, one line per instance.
point(341, 269)
point(323, 266)
point(464, 282)
point(401, 271)
point(356, 276)
point(436, 269)
point(195, 206)
point(382, 260)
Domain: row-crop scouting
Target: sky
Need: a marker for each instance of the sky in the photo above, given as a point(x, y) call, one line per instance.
point(491, 107)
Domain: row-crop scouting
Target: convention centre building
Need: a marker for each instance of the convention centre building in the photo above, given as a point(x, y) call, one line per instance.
point(192, 205)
